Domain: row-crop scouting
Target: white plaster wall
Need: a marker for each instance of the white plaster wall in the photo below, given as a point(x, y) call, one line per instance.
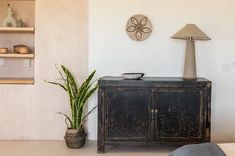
point(111, 52)
point(27, 111)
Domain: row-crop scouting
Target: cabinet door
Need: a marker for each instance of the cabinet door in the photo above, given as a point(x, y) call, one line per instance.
point(127, 114)
point(179, 114)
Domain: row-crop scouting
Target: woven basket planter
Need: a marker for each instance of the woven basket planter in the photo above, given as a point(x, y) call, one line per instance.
point(75, 138)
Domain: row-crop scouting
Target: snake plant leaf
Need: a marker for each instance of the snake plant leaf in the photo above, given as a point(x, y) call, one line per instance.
point(88, 95)
point(85, 90)
point(83, 93)
point(67, 118)
point(86, 83)
point(71, 80)
point(79, 114)
point(71, 90)
point(58, 84)
point(83, 119)
point(61, 75)
point(85, 87)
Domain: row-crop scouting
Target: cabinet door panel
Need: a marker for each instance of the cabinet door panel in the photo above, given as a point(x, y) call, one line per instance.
point(179, 114)
point(127, 113)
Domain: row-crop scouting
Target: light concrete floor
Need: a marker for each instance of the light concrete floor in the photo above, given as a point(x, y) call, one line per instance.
point(58, 148)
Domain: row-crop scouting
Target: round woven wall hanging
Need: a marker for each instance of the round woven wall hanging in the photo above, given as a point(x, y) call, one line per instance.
point(139, 27)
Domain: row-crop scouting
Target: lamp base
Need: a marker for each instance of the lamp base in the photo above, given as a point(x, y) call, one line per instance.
point(189, 78)
point(190, 72)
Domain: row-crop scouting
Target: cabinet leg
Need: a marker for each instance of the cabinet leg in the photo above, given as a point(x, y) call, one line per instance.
point(101, 148)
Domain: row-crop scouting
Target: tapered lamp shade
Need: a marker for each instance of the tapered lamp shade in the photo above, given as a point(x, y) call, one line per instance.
point(190, 33)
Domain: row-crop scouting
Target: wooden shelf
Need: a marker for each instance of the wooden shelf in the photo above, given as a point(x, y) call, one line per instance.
point(16, 81)
point(17, 29)
point(15, 55)
point(21, 0)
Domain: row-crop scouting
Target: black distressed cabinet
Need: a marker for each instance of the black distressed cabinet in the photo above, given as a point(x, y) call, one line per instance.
point(153, 111)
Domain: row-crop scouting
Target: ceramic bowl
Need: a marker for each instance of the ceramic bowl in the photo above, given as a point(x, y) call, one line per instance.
point(132, 76)
point(22, 49)
point(3, 50)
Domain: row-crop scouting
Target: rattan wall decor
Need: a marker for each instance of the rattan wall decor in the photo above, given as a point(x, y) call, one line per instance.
point(139, 27)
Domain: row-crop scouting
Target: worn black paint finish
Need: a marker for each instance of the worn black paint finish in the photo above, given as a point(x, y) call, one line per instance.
point(179, 113)
point(153, 111)
point(127, 111)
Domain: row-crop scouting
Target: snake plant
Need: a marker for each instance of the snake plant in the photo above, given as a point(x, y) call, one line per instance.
point(78, 96)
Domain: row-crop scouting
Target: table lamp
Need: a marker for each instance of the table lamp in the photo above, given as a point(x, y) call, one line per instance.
point(190, 33)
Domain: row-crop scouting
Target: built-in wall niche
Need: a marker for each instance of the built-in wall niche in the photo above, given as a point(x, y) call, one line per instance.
point(17, 68)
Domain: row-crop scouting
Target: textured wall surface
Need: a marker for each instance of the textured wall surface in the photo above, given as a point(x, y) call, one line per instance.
point(111, 52)
point(27, 112)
